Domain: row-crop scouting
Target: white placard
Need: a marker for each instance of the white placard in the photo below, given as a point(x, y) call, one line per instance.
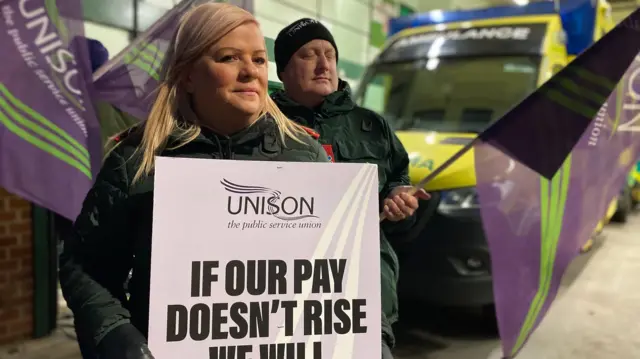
point(253, 259)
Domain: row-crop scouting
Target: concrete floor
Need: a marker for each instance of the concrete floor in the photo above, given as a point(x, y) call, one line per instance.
point(596, 316)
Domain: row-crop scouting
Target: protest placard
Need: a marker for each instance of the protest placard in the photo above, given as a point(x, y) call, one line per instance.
point(265, 260)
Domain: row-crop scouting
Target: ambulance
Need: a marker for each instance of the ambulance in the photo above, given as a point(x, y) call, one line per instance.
point(441, 79)
point(629, 196)
point(635, 187)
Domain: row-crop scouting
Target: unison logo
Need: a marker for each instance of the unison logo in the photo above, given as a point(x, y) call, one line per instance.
point(50, 33)
point(257, 200)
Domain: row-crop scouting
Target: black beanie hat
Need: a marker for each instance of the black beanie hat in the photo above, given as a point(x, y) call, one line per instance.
point(296, 35)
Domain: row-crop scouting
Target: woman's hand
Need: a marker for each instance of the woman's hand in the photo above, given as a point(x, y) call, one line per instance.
point(400, 204)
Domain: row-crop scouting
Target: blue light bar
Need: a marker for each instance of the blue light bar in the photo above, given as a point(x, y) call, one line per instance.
point(578, 19)
point(441, 17)
point(579, 22)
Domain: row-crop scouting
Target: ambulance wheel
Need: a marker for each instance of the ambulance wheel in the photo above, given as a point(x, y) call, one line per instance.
point(587, 246)
point(489, 317)
point(624, 207)
point(635, 198)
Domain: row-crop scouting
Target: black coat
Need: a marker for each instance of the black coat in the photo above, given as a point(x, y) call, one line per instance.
point(112, 235)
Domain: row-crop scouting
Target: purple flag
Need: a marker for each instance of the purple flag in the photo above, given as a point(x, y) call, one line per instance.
point(50, 146)
point(564, 107)
point(535, 218)
point(129, 80)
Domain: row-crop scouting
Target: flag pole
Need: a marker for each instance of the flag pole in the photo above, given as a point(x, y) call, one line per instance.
point(428, 178)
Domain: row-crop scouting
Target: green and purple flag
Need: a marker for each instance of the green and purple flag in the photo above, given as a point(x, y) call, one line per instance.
point(548, 170)
point(50, 147)
point(129, 80)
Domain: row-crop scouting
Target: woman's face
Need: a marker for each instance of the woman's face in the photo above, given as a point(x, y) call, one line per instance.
point(231, 78)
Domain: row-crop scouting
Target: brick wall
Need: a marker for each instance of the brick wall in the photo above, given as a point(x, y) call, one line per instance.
point(16, 269)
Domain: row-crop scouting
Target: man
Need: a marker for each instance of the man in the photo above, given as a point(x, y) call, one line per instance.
point(306, 58)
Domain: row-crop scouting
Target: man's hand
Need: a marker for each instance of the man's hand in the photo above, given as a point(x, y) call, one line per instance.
point(401, 204)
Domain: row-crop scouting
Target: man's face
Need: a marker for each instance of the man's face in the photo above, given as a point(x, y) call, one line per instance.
point(312, 72)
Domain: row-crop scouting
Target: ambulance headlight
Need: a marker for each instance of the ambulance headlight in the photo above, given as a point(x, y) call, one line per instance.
point(460, 199)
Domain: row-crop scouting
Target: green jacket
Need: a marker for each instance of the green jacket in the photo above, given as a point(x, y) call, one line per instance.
point(112, 235)
point(356, 134)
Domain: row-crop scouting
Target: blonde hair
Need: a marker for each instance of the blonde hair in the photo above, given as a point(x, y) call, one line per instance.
point(200, 28)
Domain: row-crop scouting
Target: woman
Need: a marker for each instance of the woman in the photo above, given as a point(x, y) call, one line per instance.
point(212, 103)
